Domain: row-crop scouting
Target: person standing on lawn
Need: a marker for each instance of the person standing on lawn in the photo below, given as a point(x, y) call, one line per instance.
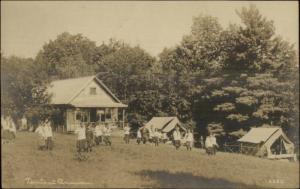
point(156, 136)
point(202, 142)
point(177, 137)
point(98, 133)
point(215, 144)
point(89, 137)
point(126, 133)
point(211, 144)
point(81, 138)
point(2, 121)
point(107, 133)
point(48, 134)
point(151, 134)
point(5, 125)
point(139, 136)
point(40, 130)
point(189, 140)
point(145, 135)
point(24, 123)
point(10, 127)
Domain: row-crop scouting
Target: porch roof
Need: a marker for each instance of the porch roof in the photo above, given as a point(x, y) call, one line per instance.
point(88, 103)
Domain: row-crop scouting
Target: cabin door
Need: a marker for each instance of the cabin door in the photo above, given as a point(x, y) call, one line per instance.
point(93, 115)
point(71, 126)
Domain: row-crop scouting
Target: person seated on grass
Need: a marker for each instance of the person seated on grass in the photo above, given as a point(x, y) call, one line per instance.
point(98, 133)
point(211, 144)
point(48, 135)
point(81, 138)
point(126, 133)
point(177, 138)
point(107, 133)
point(139, 136)
point(189, 137)
point(89, 137)
point(156, 136)
point(41, 137)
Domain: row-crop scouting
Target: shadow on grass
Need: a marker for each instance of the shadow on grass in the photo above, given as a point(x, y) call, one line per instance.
point(165, 179)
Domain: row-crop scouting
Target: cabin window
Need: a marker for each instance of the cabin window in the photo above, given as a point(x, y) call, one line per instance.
point(108, 114)
point(81, 116)
point(101, 114)
point(93, 91)
point(84, 117)
point(120, 114)
point(78, 116)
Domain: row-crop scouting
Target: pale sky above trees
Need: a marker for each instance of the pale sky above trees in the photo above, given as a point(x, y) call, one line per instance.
point(27, 26)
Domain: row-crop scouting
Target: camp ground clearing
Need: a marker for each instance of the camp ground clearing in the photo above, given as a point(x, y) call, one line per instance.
point(133, 165)
point(149, 95)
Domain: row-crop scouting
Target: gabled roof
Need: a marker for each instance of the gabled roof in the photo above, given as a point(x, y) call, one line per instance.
point(65, 92)
point(261, 134)
point(165, 124)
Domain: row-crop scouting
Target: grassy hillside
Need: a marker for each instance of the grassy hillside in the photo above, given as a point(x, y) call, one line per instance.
point(137, 166)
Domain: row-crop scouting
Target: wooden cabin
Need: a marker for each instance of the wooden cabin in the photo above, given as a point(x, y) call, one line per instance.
point(85, 99)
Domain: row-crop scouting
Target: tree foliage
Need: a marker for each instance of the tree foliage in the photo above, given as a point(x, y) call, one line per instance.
point(253, 81)
point(67, 56)
point(23, 89)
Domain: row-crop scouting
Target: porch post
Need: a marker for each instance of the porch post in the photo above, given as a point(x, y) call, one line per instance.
point(123, 118)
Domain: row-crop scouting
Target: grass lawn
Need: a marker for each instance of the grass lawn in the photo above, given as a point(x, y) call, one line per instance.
point(132, 165)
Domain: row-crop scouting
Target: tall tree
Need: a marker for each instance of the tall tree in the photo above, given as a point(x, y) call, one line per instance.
point(23, 88)
point(67, 56)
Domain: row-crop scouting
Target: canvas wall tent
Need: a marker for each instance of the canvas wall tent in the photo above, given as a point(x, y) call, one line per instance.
point(268, 141)
point(85, 99)
point(164, 124)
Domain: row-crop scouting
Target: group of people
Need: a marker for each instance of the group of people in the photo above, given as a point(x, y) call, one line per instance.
point(210, 145)
point(45, 134)
point(91, 134)
point(155, 136)
point(151, 135)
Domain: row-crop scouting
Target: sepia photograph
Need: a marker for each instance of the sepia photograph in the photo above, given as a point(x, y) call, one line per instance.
point(150, 94)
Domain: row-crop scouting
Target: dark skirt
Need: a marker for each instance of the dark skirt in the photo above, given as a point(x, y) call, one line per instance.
point(107, 140)
point(81, 145)
point(98, 139)
point(177, 143)
point(126, 138)
point(211, 150)
point(156, 141)
point(8, 135)
point(49, 143)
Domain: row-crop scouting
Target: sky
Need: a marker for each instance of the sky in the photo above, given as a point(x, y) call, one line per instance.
point(153, 25)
